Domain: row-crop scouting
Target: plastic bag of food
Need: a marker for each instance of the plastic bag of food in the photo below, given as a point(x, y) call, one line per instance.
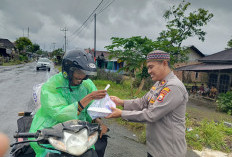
point(36, 94)
point(101, 107)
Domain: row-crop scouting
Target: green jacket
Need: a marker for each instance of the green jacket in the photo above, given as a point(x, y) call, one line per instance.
point(59, 104)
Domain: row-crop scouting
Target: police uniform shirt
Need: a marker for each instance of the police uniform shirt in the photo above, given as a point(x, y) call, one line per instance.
point(163, 109)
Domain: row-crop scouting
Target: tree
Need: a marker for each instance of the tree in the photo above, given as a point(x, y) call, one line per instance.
point(35, 47)
point(39, 52)
point(23, 43)
point(132, 51)
point(57, 52)
point(180, 27)
point(229, 44)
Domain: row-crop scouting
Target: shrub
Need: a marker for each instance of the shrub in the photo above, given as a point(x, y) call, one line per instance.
point(23, 58)
point(224, 102)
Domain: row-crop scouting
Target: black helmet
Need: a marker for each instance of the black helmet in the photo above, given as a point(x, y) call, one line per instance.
point(78, 59)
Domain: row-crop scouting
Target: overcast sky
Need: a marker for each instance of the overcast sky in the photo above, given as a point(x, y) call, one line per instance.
point(123, 18)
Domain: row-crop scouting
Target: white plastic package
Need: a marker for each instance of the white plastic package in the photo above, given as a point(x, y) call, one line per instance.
point(101, 108)
point(36, 97)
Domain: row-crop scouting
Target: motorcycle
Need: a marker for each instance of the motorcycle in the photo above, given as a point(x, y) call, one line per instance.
point(71, 138)
point(22, 148)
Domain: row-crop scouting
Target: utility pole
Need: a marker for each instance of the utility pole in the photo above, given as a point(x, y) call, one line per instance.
point(94, 36)
point(23, 32)
point(65, 44)
point(28, 32)
point(54, 46)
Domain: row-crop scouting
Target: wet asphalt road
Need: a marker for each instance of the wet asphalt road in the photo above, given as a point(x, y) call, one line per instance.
point(16, 86)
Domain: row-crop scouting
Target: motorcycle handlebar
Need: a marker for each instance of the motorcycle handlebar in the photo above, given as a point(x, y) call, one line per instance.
point(25, 135)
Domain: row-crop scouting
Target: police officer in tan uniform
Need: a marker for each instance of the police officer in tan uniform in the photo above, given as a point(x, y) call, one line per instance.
point(162, 108)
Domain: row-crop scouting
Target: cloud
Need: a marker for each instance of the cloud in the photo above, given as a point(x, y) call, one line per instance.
point(122, 18)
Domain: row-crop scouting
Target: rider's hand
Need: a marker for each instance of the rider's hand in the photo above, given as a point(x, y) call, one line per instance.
point(98, 94)
point(104, 130)
point(117, 101)
point(92, 96)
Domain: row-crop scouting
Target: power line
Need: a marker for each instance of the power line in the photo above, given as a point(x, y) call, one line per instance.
point(82, 29)
point(105, 7)
point(103, 4)
point(86, 19)
point(87, 23)
point(102, 8)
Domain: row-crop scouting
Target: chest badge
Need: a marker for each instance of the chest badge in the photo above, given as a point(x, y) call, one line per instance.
point(153, 88)
point(162, 82)
point(162, 94)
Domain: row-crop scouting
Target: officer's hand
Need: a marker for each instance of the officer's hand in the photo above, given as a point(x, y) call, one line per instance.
point(98, 94)
point(116, 100)
point(115, 113)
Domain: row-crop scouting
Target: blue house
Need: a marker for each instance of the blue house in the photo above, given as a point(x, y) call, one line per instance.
point(103, 62)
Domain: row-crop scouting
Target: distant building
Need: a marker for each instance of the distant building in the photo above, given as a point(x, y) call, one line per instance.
point(7, 48)
point(103, 61)
point(218, 67)
point(191, 76)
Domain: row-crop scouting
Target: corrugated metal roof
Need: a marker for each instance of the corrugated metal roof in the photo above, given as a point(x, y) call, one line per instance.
point(224, 56)
point(196, 50)
point(205, 67)
point(5, 43)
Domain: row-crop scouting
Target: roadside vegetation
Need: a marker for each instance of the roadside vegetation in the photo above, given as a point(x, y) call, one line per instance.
point(225, 102)
point(13, 62)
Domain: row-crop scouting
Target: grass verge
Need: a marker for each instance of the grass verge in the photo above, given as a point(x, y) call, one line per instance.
point(12, 63)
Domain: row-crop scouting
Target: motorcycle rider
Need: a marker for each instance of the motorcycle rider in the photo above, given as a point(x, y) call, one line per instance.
point(67, 95)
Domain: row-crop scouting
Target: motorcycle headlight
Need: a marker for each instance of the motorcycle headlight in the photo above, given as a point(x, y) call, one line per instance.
point(74, 143)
